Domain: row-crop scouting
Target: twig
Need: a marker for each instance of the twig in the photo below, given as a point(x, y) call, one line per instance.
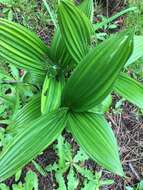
point(132, 160)
point(112, 120)
point(134, 171)
point(107, 6)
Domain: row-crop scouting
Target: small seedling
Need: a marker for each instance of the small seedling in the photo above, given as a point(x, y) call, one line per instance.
point(71, 165)
point(31, 182)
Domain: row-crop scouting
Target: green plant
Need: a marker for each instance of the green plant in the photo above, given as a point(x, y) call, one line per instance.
point(31, 182)
point(139, 186)
point(31, 14)
point(14, 92)
point(106, 25)
point(71, 165)
point(135, 19)
point(52, 15)
point(78, 77)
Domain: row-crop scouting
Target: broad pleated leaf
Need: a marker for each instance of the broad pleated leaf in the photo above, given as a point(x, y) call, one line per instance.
point(137, 51)
point(104, 106)
point(58, 51)
point(21, 47)
point(129, 89)
point(75, 28)
point(57, 46)
point(30, 112)
point(94, 77)
point(87, 7)
point(30, 142)
point(51, 94)
point(106, 103)
point(96, 137)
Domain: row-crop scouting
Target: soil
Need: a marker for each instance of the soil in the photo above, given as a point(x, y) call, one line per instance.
point(128, 127)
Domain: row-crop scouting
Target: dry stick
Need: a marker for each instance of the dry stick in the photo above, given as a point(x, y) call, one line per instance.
point(132, 160)
point(107, 6)
point(112, 120)
point(134, 171)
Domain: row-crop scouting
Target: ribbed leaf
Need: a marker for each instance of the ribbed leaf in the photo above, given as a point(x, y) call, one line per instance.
point(22, 47)
point(75, 28)
point(104, 106)
point(137, 51)
point(87, 7)
point(106, 103)
point(95, 136)
point(30, 112)
point(51, 94)
point(129, 89)
point(94, 77)
point(56, 45)
point(58, 51)
point(30, 142)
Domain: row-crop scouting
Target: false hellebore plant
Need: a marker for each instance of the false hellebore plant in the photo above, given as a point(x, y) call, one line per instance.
point(79, 79)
